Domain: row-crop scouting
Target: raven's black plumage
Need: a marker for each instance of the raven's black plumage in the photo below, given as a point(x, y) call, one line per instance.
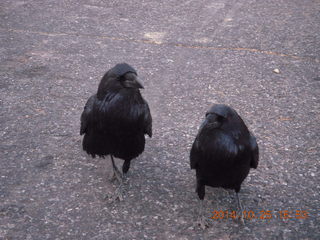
point(116, 118)
point(223, 151)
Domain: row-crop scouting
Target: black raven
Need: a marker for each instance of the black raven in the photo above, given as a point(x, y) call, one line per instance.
point(116, 118)
point(223, 152)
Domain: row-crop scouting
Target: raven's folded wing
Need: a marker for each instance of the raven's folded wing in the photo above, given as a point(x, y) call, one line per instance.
point(86, 113)
point(254, 152)
point(195, 154)
point(216, 147)
point(147, 120)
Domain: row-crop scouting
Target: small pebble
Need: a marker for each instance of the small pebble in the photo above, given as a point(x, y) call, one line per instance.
point(276, 70)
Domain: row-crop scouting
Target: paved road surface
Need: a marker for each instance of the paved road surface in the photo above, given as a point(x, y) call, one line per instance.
point(190, 54)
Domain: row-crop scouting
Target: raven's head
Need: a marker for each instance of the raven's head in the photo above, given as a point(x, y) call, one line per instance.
point(220, 115)
point(120, 76)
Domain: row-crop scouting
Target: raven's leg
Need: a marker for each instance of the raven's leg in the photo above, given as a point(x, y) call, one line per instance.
point(116, 172)
point(240, 207)
point(118, 194)
point(120, 189)
point(201, 220)
point(125, 166)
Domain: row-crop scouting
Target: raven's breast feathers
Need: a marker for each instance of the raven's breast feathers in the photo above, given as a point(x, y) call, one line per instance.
point(122, 113)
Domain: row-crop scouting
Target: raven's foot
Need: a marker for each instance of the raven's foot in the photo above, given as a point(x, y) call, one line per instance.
point(202, 222)
point(116, 175)
point(117, 195)
point(241, 218)
point(119, 192)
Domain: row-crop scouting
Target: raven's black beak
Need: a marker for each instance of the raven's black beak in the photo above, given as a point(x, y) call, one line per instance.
point(135, 83)
point(138, 83)
point(213, 120)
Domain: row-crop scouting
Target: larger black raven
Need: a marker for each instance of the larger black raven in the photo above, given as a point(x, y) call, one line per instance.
point(223, 152)
point(116, 118)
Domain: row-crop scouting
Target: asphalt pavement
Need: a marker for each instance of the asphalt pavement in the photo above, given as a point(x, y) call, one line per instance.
point(189, 55)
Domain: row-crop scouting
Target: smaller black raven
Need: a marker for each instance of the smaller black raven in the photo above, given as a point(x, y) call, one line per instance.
point(115, 120)
point(222, 153)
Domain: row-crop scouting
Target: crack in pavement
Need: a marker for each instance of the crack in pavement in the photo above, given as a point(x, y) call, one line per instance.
point(154, 42)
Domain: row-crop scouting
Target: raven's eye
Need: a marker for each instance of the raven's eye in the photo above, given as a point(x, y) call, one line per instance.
point(220, 118)
point(122, 79)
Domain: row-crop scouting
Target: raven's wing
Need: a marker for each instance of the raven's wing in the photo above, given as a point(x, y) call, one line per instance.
point(147, 120)
point(225, 146)
point(254, 152)
point(195, 154)
point(86, 114)
point(217, 146)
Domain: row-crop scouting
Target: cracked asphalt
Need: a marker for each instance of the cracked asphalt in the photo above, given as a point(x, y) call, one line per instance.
point(190, 54)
